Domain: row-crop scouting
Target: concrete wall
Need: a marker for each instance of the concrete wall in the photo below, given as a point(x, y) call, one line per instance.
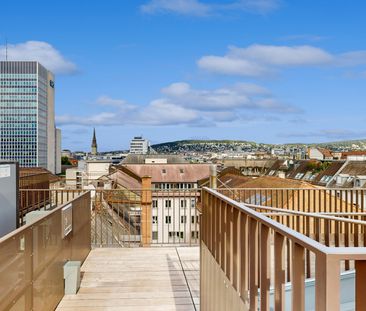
point(51, 130)
point(58, 152)
point(9, 197)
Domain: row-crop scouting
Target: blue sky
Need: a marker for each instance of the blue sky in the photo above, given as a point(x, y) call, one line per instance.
point(265, 70)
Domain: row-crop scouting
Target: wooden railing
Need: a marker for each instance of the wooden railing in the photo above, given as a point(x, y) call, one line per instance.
point(244, 253)
point(128, 217)
point(43, 199)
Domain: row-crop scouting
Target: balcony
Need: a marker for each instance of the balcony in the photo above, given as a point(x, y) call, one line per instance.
point(252, 249)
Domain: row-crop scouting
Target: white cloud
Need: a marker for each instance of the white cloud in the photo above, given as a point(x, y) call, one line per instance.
point(181, 104)
point(42, 52)
point(353, 58)
point(165, 112)
point(199, 8)
point(108, 101)
point(258, 60)
point(231, 66)
point(281, 55)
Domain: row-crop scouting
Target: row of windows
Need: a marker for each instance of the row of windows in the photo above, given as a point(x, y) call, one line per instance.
point(18, 127)
point(15, 111)
point(183, 219)
point(11, 90)
point(172, 234)
point(11, 135)
point(23, 105)
point(24, 147)
point(18, 156)
point(168, 203)
point(18, 118)
point(18, 76)
point(21, 140)
point(18, 83)
point(20, 101)
point(18, 97)
point(173, 185)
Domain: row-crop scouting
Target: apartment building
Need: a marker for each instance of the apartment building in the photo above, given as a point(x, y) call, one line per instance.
point(174, 197)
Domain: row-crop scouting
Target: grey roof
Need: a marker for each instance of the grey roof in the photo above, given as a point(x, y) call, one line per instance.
point(140, 158)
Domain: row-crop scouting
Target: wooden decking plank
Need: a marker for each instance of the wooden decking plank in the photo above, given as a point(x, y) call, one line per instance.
point(132, 279)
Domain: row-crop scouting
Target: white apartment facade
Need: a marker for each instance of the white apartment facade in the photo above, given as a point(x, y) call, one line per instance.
point(174, 200)
point(174, 217)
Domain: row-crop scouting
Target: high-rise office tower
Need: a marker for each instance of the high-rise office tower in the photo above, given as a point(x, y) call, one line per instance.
point(27, 115)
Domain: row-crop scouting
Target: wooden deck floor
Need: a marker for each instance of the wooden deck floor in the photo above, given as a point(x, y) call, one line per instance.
point(132, 279)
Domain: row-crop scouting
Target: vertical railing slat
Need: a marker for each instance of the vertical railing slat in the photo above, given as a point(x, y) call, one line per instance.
point(298, 277)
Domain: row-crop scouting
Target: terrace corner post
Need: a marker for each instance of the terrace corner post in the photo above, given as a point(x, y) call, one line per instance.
point(327, 282)
point(213, 177)
point(146, 213)
point(360, 266)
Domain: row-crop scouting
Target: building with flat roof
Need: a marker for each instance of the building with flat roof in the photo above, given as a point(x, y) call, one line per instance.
point(139, 145)
point(27, 115)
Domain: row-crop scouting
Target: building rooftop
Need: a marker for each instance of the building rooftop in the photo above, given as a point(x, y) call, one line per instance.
point(171, 173)
point(140, 158)
point(276, 182)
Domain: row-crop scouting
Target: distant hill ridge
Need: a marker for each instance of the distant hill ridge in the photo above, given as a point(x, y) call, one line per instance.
point(217, 145)
point(209, 141)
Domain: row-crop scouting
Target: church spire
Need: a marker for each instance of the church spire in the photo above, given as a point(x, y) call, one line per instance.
point(94, 146)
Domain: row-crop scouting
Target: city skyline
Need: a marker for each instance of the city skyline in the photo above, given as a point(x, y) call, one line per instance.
point(172, 70)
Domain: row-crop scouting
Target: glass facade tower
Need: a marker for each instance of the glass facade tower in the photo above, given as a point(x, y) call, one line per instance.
point(27, 132)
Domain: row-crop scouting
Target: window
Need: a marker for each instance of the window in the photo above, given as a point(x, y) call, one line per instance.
point(325, 178)
point(168, 219)
point(258, 199)
point(195, 218)
point(181, 171)
point(163, 171)
point(155, 219)
point(176, 234)
point(168, 203)
point(195, 234)
point(155, 203)
point(183, 219)
point(183, 203)
point(154, 235)
point(193, 203)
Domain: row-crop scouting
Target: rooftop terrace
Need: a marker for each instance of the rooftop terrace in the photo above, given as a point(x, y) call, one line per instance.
point(257, 249)
point(131, 279)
